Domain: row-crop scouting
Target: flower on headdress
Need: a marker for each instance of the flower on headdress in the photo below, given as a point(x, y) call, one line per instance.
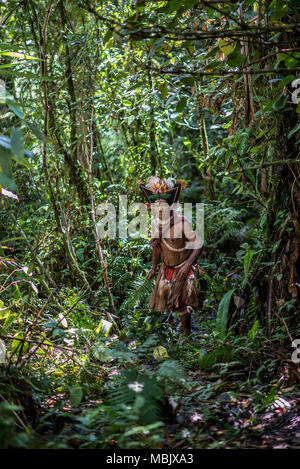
point(182, 182)
point(156, 185)
point(152, 181)
point(169, 183)
point(160, 188)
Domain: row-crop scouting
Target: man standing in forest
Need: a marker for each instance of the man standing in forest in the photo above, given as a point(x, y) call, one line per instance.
point(179, 247)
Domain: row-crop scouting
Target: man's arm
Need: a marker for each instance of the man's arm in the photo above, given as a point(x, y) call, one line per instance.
point(184, 270)
point(196, 246)
point(195, 253)
point(155, 258)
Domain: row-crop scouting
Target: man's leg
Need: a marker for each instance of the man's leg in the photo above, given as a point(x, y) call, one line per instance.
point(185, 320)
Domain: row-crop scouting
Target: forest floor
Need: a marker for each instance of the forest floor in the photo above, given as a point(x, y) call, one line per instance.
point(234, 420)
point(200, 393)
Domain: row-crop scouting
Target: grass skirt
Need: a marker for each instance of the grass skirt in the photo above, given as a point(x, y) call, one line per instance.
point(171, 295)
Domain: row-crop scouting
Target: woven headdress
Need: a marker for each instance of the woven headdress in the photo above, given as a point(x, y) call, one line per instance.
point(158, 189)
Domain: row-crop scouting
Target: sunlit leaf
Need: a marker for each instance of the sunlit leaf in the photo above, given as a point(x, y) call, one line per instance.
point(2, 352)
point(160, 353)
point(17, 143)
point(76, 395)
point(19, 55)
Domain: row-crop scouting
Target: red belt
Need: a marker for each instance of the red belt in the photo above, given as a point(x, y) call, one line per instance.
point(169, 271)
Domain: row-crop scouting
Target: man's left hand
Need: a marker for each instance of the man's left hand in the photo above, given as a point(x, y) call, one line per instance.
point(183, 272)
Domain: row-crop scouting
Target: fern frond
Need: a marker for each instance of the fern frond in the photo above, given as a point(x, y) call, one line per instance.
point(252, 306)
point(140, 291)
point(132, 384)
point(244, 143)
point(171, 369)
point(148, 345)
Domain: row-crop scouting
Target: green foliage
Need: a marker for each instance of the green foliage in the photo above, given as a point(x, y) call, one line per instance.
point(218, 355)
point(222, 314)
point(171, 369)
point(92, 101)
point(142, 394)
point(139, 292)
point(9, 437)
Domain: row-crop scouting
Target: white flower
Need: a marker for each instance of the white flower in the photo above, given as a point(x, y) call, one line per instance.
point(62, 320)
point(132, 345)
point(169, 183)
point(196, 416)
point(136, 386)
point(185, 433)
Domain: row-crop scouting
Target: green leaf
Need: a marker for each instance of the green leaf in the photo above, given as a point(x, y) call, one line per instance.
point(163, 89)
point(28, 75)
point(8, 183)
point(188, 81)
point(294, 130)
point(247, 262)
point(280, 10)
point(174, 5)
point(160, 353)
point(226, 45)
point(5, 142)
point(9, 321)
point(283, 82)
point(222, 314)
point(16, 344)
point(272, 104)
point(76, 395)
point(9, 47)
point(36, 131)
point(18, 55)
point(11, 103)
point(290, 62)
point(6, 177)
point(4, 312)
point(156, 46)
point(280, 103)
point(171, 369)
point(212, 52)
point(235, 58)
point(17, 143)
point(107, 36)
point(5, 162)
point(8, 65)
point(254, 330)
point(181, 105)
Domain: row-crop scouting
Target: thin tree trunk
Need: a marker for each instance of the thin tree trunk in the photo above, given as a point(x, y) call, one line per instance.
point(67, 243)
point(153, 157)
point(93, 217)
point(203, 134)
point(76, 172)
point(249, 106)
point(102, 259)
